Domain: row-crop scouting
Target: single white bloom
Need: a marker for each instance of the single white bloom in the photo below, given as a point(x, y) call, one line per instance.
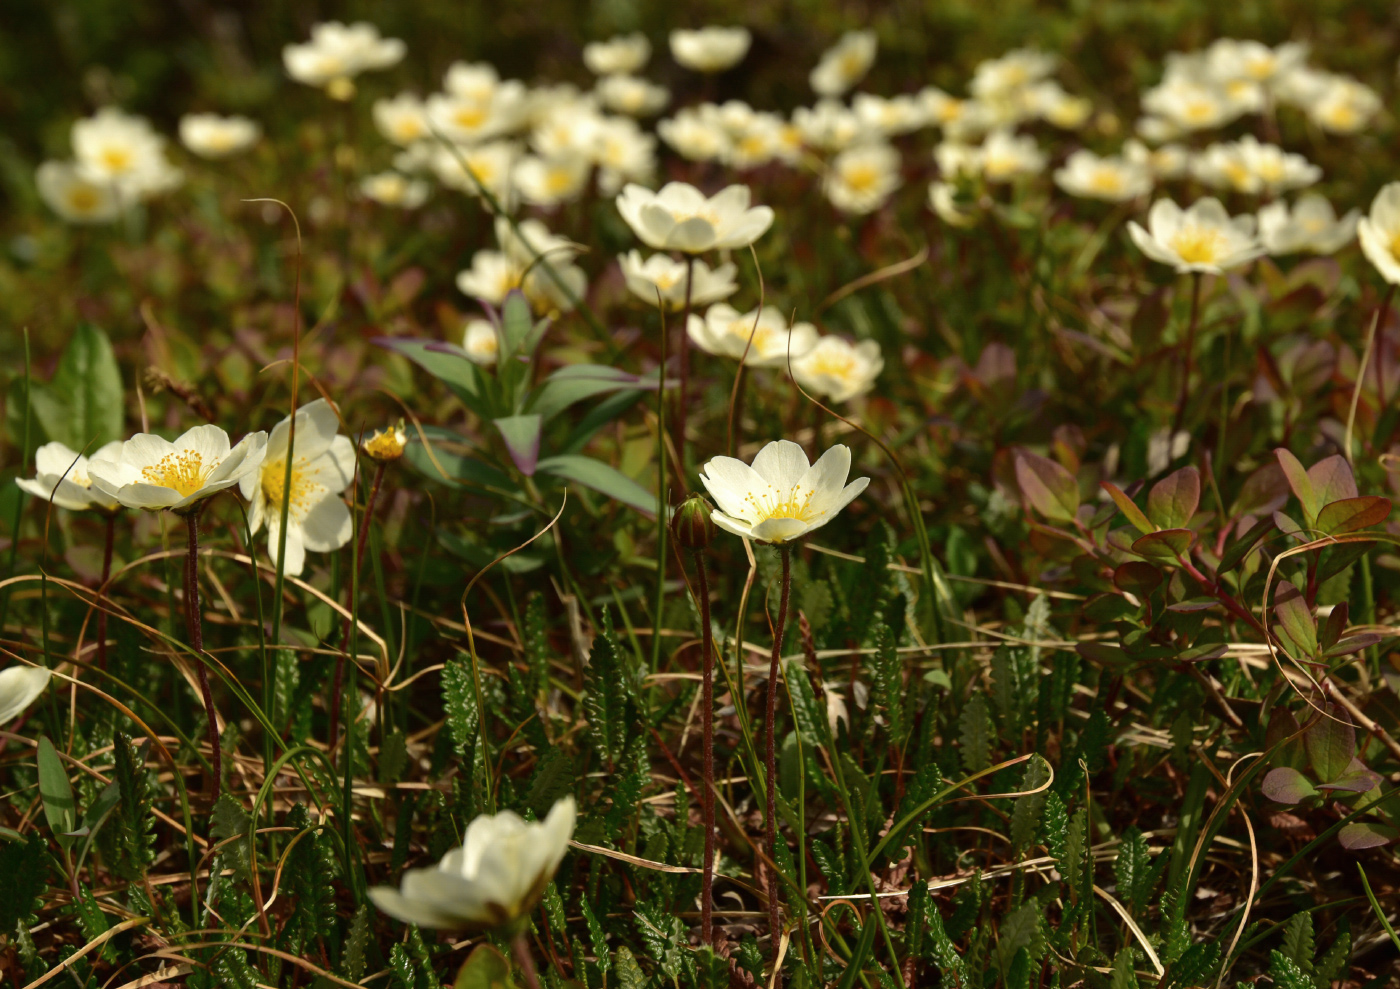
point(1112, 179)
point(780, 497)
point(664, 277)
point(417, 157)
point(943, 199)
point(889, 117)
point(1007, 156)
point(694, 135)
point(860, 179)
point(957, 160)
point(337, 53)
point(323, 464)
point(1190, 106)
point(467, 120)
point(710, 49)
point(1344, 106)
point(481, 341)
point(550, 181)
point(632, 95)
point(829, 126)
point(1049, 101)
point(75, 197)
point(619, 55)
point(1379, 231)
point(1014, 70)
point(475, 82)
point(681, 218)
point(20, 686)
point(1227, 59)
point(1203, 238)
point(1170, 161)
point(212, 136)
point(839, 370)
point(152, 473)
point(726, 332)
point(1157, 130)
point(493, 880)
point(1311, 225)
point(393, 189)
point(61, 476)
point(122, 151)
point(529, 239)
point(965, 117)
point(566, 129)
point(763, 138)
point(845, 63)
point(623, 153)
point(402, 120)
point(494, 274)
point(470, 169)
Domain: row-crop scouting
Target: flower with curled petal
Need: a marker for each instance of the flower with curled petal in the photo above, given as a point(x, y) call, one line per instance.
point(839, 370)
point(682, 218)
point(1379, 231)
point(780, 497)
point(337, 53)
point(726, 332)
point(845, 63)
point(212, 136)
point(664, 277)
point(20, 686)
point(152, 473)
point(1311, 225)
point(61, 476)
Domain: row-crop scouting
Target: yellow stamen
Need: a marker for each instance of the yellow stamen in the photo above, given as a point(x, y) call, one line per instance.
point(183, 471)
point(1198, 245)
point(791, 504)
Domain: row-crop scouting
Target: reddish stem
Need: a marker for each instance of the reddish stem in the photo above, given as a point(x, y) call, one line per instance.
point(339, 677)
point(770, 761)
point(707, 755)
point(194, 626)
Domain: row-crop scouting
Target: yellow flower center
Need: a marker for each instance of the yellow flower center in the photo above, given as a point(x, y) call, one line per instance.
point(1197, 111)
point(841, 366)
point(116, 159)
point(408, 129)
point(183, 471)
point(558, 181)
point(1198, 245)
point(83, 199)
point(791, 504)
point(387, 444)
point(469, 117)
point(1106, 180)
point(851, 64)
point(340, 88)
point(1395, 245)
point(861, 177)
point(1270, 170)
point(1340, 116)
point(1238, 175)
point(274, 478)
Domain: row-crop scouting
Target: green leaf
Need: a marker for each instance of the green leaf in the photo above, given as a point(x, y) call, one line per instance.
point(607, 694)
point(975, 734)
point(1173, 500)
point(24, 864)
point(1024, 927)
point(1286, 785)
point(459, 703)
point(1286, 974)
point(596, 937)
point(1165, 546)
point(1132, 867)
point(629, 973)
point(1351, 514)
point(1361, 835)
point(575, 382)
point(82, 405)
point(56, 792)
point(1293, 613)
point(1298, 944)
point(353, 964)
point(1050, 488)
point(485, 968)
point(891, 699)
point(1301, 484)
point(1331, 743)
point(1238, 548)
point(1025, 817)
point(455, 465)
point(522, 436)
point(600, 477)
point(1129, 508)
point(136, 816)
point(1263, 492)
point(516, 325)
point(447, 363)
point(1137, 578)
point(1332, 480)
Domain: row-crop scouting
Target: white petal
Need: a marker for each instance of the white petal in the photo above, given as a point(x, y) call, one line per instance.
point(781, 463)
point(19, 686)
point(327, 526)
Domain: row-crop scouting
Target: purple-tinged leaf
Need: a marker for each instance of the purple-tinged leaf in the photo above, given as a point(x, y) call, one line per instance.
point(1128, 507)
point(1286, 525)
point(1297, 619)
point(1202, 654)
point(1300, 482)
point(522, 436)
point(1102, 653)
point(1332, 480)
point(1331, 743)
point(1351, 514)
point(1173, 500)
point(601, 477)
point(1331, 632)
point(1166, 545)
point(1353, 644)
point(1193, 604)
point(1137, 578)
point(1049, 488)
point(1361, 835)
point(1265, 491)
point(1357, 779)
point(1287, 786)
point(1238, 548)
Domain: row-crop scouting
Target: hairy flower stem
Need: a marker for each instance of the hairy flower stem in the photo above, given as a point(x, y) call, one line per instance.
point(683, 402)
point(521, 949)
point(707, 745)
point(194, 627)
point(1188, 361)
point(770, 762)
point(339, 678)
point(102, 591)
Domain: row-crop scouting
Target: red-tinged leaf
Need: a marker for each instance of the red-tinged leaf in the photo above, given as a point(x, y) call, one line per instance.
point(1128, 507)
point(1331, 743)
point(1351, 514)
point(1287, 786)
point(1173, 500)
point(1300, 482)
point(1297, 619)
point(1282, 727)
point(1286, 525)
point(1192, 604)
point(1202, 654)
point(1354, 643)
point(1332, 629)
point(1102, 653)
point(1166, 545)
point(522, 436)
point(1137, 578)
point(1357, 779)
point(1239, 547)
point(1049, 488)
point(1360, 835)
point(1332, 480)
point(1264, 491)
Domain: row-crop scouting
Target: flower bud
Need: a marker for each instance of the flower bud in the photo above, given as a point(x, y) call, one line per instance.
point(691, 524)
point(387, 444)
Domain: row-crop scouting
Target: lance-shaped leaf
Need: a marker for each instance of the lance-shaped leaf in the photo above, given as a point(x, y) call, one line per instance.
point(1331, 743)
point(1331, 632)
point(522, 436)
point(81, 406)
point(600, 477)
point(575, 382)
point(1351, 514)
point(443, 361)
point(1050, 488)
point(519, 332)
point(1173, 500)
point(1166, 545)
point(1356, 778)
point(56, 792)
point(1301, 484)
point(1287, 786)
point(1299, 629)
point(1129, 508)
point(1238, 548)
point(442, 459)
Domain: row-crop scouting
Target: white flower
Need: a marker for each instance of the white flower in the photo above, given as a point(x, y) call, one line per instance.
point(957, 117)
point(694, 135)
point(1006, 156)
point(1312, 225)
point(493, 880)
point(664, 276)
point(337, 53)
point(725, 332)
point(619, 55)
point(888, 117)
point(152, 473)
point(469, 169)
point(681, 218)
point(1229, 59)
point(550, 181)
point(957, 160)
point(1113, 179)
point(623, 153)
point(566, 128)
point(632, 95)
point(837, 369)
point(1190, 105)
point(1251, 167)
point(845, 63)
point(20, 686)
point(1049, 101)
point(323, 464)
point(393, 189)
point(212, 136)
point(61, 476)
point(1379, 231)
point(764, 137)
point(1344, 106)
point(943, 199)
point(120, 150)
point(75, 197)
point(494, 274)
point(710, 49)
point(828, 126)
point(475, 82)
point(1170, 161)
point(860, 179)
point(481, 342)
point(402, 120)
point(1014, 70)
point(530, 239)
point(1203, 238)
point(469, 120)
point(1156, 129)
point(781, 497)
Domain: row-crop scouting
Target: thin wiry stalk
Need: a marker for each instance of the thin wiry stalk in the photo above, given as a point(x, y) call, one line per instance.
point(683, 403)
point(345, 643)
point(195, 628)
point(102, 590)
point(770, 760)
point(707, 746)
point(1188, 361)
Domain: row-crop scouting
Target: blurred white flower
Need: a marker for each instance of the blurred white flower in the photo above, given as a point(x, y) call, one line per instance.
point(1202, 238)
point(474, 82)
point(781, 496)
point(623, 153)
point(682, 218)
point(1344, 106)
point(1112, 179)
point(1251, 167)
point(152, 473)
point(1156, 129)
point(494, 274)
point(1379, 231)
point(481, 342)
point(393, 189)
point(1228, 58)
point(487, 164)
point(664, 277)
point(889, 117)
point(1170, 161)
point(417, 157)
point(530, 239)
point(337, 53)
point(468, 120)
point(75, 197)
point(566, 127)
point(121, 150)
point(694, 136)
point(402, 120)
point(1190, 106)
point(20, 686)
point(710, 49)
point(494, 880)
point(1006, 156)
point(955, 159)
point(323, 464)
point(550, 181)
point(845, 63)
point(1049, 101)
point(837, 369)
point(944, 200)
point(1311, 225)
point(761, 138)
point(860, 179)
point(1014, 70)
point(61, 476)
point(632, 95)
point(725, 332)
point(212, 136)
point(828, 126)
point(619, 55)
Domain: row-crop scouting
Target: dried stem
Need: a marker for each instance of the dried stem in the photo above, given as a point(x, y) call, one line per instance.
point(194, 627)
point(770, 762)
point(339, 678)
point(707, 745)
